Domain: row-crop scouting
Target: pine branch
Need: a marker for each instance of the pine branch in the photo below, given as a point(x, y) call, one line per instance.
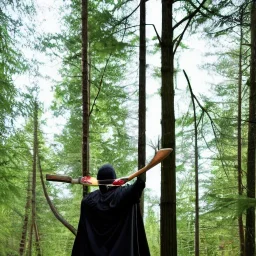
point(210, 118)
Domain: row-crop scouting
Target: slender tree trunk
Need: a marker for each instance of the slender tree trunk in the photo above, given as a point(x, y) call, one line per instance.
point(34, 166)
point(54, 210)
point(34, 170)
point(85, 93)
point(26, 218)
point(168, 173)
point(33, 219)
point(239, 141)
point(30, 240)
point(142, 95)
point(250, 214)
point(33, 199)
point(197, 231)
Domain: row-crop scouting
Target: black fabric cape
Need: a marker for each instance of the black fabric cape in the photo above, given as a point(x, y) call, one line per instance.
point(111, 223)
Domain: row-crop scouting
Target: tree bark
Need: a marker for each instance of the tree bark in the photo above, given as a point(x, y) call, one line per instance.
point(85, 94)
point(250, 214)
point(30, 240)
point(239, 140)
point(34, 167)
point(142, 95)
point(33, 219)
point(26, 217)
point(168, 173)
point(33, 188)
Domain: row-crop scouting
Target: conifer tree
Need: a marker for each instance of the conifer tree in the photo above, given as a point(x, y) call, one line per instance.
point(250, 214)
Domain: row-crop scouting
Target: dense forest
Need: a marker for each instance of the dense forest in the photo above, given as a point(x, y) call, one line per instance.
point(86, 82)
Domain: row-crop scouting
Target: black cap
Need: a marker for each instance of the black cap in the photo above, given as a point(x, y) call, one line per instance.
point(106, 172)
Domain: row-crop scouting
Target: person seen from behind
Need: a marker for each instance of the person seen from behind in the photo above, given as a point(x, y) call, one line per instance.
point(110, 220)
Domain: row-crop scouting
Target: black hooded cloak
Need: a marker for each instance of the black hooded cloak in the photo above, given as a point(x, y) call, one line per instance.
point(111, 223)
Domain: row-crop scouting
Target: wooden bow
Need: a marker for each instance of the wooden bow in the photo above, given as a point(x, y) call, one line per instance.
point(92, 181)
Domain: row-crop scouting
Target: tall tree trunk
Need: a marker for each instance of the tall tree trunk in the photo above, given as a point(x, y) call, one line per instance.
point(250, 214)
point(33, 219)
point(142, 95)
point(197, 233)
point(168, 173)
point(33, 189)
point(85, 93)
point(26, 218)
point(30, 240)
point(197, 230)
point(239, 139)
point(34, 167)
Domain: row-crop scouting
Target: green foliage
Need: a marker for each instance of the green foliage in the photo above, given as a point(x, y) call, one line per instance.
point(15, 156)
point(152, 222)
point(108, 126)
point(234, 206)
point(16, 163)
point(12, 63)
